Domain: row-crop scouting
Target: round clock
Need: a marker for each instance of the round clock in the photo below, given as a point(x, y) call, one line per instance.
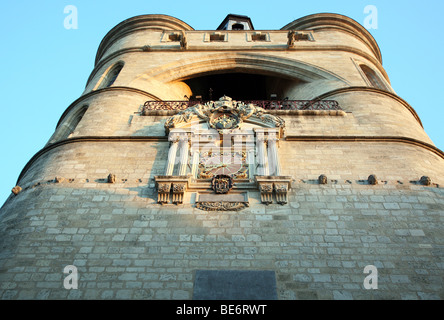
point(221, 164)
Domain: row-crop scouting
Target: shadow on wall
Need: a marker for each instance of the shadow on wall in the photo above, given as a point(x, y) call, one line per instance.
point(157, 165)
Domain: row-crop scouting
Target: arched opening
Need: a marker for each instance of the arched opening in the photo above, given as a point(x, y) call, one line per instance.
point(372, 77)
point(240, 86)
point(237, 26)
point(66, 129)
point(111, 76)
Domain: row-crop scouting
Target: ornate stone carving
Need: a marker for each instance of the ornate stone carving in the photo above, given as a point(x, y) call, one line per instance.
point(59, 179)
point(266, 190)
point(322, 179)
point(223, 115)
point(222, 183)
point(281, 190)
point(16, 190)
point(290, 36)
point(277, 184)
point(183, 42)
point(222, 202)
point(426, 181)
point(111, 178)
point(293, 36)
point(372, 179)
point(221, 206)
point(163, 192)
point(177, 185)
point(178, 192)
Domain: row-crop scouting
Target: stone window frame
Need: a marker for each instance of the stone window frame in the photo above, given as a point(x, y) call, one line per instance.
point(69, 125)
point(265, 35)
point(171, 36)
point(304, 36)
point(209, 35)
point(373, 80)
point(110, 75)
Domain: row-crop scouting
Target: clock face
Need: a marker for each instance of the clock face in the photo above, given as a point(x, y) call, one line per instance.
point(228, 163)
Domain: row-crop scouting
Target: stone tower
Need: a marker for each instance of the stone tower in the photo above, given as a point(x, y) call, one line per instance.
point(229, 164)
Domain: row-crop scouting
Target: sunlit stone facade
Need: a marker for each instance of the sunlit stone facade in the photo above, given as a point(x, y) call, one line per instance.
point(285, 151)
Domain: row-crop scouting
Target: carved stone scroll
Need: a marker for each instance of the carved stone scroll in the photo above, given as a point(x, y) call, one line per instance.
point(178, 192)
point(177, 185)
point(222, 202)
point(163, 193)
point(221, 206)
point(266, 190)
point(281, 190)
point(280, 185)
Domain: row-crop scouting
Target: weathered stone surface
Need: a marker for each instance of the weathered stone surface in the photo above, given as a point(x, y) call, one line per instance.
point(129, 241)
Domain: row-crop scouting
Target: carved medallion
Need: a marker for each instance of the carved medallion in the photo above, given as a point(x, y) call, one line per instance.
point(222, 183)
point(224, 121)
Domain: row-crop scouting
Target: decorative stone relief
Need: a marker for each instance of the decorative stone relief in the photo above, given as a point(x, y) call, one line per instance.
point(290, 36)
point(372, 179)
point(111, 178)
point(426, 181)
point(279, 184)
point(163, 193)
point(221, 206)
point(266, 190)
point(58, 179)
point(293, 36)
point(177, 185)
point(224, 115)
point(239, 132)
point(281, 190)
point(222, 202)
point(178, 192)
point(222, 183)
point(183, 42)
point(323, 179)
point(16, 190)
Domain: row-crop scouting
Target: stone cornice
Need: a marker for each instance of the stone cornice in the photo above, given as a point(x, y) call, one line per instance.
point(142, 22)
point(349, 49)
point(100, 91)
point(374, 90)
point(332, 20)
point(387, 139)
point(384, 139)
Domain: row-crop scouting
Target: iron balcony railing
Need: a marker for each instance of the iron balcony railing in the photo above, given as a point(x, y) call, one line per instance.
point(265, 104)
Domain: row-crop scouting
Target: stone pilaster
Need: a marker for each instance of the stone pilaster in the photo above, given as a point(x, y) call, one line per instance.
point(172, 155)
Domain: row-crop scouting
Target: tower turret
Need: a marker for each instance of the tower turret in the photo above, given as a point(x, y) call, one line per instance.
point(282, 156)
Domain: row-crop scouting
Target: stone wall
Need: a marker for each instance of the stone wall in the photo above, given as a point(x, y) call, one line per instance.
point(126, 246)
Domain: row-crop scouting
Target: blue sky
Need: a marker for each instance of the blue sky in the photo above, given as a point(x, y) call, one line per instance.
point(45, 66)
